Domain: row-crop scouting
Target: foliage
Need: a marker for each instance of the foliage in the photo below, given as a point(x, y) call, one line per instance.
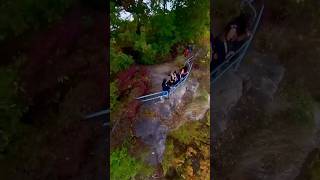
point(156, 30)
point(185, 146)
point(163, 35)
point(19, 16)
point(190, 132)
point(203, 95)
point(168, 155)
point(191, 162)
point(192, 20)
point(113, 95)
point(123, 166)
point(145, 49)
point(119, 61)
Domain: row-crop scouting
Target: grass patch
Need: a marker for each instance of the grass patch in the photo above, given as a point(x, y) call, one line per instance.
point(168, 155)
point(187, 152)
point(113, 95)
point(124, 166)
point(190, 132)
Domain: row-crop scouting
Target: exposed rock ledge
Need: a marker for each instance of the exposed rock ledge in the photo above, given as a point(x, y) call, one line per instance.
point(156, 119)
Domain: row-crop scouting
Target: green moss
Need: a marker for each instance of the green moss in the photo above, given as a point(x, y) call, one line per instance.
point(191, 132)
point(119, 61)
point(186, 132)
point(123, 166)
point(113, 95)
point(184, 145)
point(168, 156)
point(203, 95)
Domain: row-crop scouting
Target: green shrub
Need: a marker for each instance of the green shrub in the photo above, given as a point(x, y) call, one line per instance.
point(147, 50)
point(113, 95)
point(168, 156)
point(190, 132)
point(119, 61)
point(125, 167)
point(161, 30)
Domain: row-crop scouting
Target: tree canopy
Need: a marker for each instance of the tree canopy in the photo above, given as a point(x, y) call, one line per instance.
point(149, 31)
point(156, 26)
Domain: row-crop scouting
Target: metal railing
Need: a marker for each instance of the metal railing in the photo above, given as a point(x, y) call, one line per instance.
point(234, 60)
point(100, 113)
point(166, 94)
point(148, 97)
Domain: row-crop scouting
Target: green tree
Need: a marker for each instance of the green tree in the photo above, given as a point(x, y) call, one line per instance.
point(119, 61)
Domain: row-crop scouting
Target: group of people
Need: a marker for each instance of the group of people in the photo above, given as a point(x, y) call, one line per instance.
point(234, 35)
point(174, 79)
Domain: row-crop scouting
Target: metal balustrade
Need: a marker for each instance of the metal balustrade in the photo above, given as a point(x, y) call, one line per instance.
point(233, 61)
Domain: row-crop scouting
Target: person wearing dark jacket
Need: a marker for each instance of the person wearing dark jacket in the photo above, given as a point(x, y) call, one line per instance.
point(233, 37)
point(165, 86)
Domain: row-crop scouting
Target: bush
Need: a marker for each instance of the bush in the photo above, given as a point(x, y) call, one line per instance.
point(161, 30)
point(125, 167)
point(190, 132)
point(113, 95)
point(168, 156)
point(119, 61)
point(147, 51)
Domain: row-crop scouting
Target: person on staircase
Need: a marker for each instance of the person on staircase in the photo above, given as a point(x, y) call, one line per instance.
point(183, 72)
point(165, 86)
point(224, 46)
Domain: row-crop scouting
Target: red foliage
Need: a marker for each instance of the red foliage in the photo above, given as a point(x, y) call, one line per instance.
point(196, 66)
point(133, 82)
point(132, 109)
point(134, 78)
point(125, 78)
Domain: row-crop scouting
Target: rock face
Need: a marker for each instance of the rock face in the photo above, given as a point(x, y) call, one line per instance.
point(226, 93)
point(258, 78)
point(262, 75)
point(156, 118)
point(153, 134)
point(254, 138)
point(199, 106)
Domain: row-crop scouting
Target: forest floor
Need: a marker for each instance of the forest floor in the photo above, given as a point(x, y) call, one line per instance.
point(63, 77)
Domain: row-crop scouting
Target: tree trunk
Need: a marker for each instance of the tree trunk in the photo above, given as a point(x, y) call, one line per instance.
point(139, 24)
